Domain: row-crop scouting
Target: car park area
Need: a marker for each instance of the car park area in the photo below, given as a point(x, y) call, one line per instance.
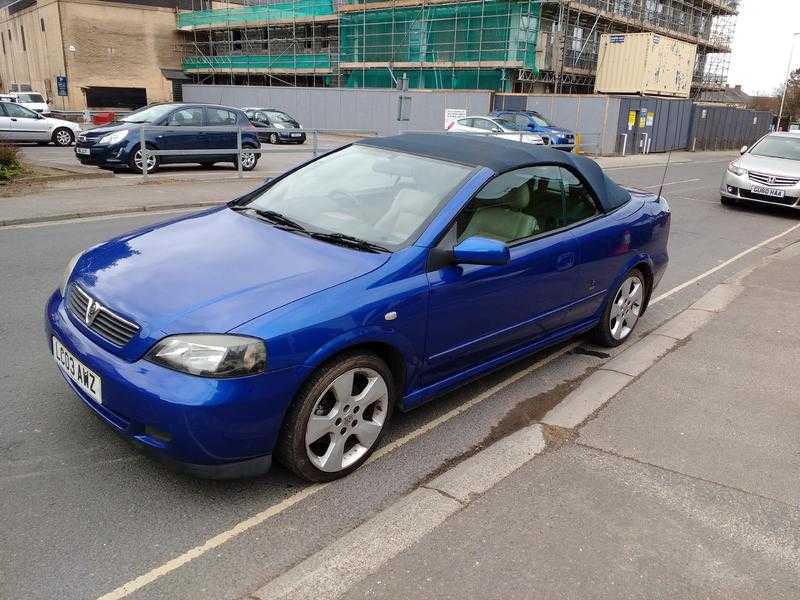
point(87, 516)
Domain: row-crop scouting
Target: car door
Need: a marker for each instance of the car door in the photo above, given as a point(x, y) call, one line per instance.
point(6, 132)
point(26, 125)
point(479, 312)
point(221, 139)
point(187, 139)
point(603, 242)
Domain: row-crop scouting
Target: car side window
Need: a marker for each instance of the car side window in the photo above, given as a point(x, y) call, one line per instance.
point(465, 122)
point(17, 111)
point(510, 206)
point(484, 124)
point(521, 120)
point(579, 203)
point(261, 118)
point(186, 117)
point(220, 116)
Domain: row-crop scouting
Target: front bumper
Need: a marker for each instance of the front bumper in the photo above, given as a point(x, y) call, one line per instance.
point(101, 155)
point(738, 187)
point(208, 427)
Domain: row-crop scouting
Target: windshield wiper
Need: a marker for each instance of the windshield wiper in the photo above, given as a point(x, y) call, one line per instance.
point(348, 240)
point(273, 217)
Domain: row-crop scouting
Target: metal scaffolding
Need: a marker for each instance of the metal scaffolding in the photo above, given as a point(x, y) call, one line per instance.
point(504, 45)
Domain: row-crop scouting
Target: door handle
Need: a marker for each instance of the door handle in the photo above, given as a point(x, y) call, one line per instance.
point(13, 118)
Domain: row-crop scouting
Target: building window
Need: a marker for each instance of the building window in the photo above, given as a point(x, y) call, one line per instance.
point(22, 37)
point(42, 22)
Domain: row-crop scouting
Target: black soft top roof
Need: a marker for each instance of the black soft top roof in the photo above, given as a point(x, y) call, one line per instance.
point(502, 156)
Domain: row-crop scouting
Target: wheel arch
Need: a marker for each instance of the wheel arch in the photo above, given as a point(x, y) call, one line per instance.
point(646, 268)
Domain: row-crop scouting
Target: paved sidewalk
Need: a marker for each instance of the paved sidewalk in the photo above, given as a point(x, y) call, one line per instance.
point(685, 485)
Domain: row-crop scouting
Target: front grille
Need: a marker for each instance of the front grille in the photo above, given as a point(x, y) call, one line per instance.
point(786, 200)
point(774, 180)
point(101, 320)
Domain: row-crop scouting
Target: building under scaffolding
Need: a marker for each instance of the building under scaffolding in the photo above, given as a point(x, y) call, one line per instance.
point(502, 45)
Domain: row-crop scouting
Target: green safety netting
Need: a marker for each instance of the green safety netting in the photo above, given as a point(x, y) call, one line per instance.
point(282, 11)
point(465, 32)
point(431, 79)
point(320, 62)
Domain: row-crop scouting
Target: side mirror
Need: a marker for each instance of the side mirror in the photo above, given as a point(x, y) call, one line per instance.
point(478, 250)
point(743, 150)
point(496, 130)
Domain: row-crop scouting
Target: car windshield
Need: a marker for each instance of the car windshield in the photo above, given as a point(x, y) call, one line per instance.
point(778, 147)
point(30, 98)
point(539, 120)
point(379, 196)
point(276, 116)
point(149, 114)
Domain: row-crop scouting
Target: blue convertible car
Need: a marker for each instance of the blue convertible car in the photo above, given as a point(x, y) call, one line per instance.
point(294, 320)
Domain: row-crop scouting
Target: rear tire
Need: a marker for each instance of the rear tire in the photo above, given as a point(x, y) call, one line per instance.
point(623, 310)
point(249, 159)
point(273, 138)
point(63, 137)
point(337, 418)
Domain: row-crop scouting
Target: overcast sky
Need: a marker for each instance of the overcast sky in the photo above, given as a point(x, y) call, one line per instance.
point(763, 42)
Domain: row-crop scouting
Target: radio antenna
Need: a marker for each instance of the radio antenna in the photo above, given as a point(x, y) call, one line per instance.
point(664, 178)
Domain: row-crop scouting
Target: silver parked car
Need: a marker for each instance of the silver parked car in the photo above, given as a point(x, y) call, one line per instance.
point(496, 127)
point(768, 172)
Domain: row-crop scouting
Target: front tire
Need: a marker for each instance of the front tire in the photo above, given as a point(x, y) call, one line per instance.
point(623, 311)
point(63, 137)
point(135, 161)
point(337, 418)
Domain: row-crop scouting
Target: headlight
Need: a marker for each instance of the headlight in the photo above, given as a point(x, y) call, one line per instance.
point(535, 139)
point(114, 138)
point(279, 126)
point(736, 169)
point(210, 355)
point(68, 272)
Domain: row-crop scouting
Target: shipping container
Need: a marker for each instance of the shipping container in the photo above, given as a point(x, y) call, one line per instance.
point(645, 63)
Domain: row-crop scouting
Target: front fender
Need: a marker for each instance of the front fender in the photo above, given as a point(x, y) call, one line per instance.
point(389, 337)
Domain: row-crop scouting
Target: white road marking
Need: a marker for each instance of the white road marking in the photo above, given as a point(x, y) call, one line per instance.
point(658, 185)
point(722, 265)
point(131, 586)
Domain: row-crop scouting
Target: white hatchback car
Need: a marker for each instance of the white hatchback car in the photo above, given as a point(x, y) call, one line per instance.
point(20, 124)
point(494, 126)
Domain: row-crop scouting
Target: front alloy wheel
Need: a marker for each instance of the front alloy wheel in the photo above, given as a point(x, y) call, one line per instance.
point(336, 421)
point(137, 164)
point(623, 311)
point(63, 137)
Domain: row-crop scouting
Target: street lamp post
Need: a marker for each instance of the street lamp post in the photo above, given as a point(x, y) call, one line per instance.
point(786, 84)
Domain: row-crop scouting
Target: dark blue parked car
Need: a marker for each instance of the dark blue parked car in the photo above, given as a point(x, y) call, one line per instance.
point(294, 320)
point(553, 135)
point(118, 145)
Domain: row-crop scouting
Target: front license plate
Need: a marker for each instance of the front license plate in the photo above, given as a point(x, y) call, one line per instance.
point(765, 191)
point(295, 135)
point(83, 151)
point(85, 378)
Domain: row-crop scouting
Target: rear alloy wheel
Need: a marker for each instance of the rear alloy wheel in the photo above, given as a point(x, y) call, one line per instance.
point(336, 421)
point(623, 311)
point(63, 137)
point(273, 138)
point(135, 162)
point(249, 160)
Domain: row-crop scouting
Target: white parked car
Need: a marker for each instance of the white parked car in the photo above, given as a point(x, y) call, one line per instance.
point(495, 126)
point(33, 100)
point(20, 124)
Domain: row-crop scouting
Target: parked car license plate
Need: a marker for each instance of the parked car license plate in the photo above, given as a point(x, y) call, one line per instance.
point(295, 135)
point(85, 378)
point(766, 191)
point(84, 151)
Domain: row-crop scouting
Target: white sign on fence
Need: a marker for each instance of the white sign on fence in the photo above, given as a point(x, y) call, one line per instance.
point(451, 115)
